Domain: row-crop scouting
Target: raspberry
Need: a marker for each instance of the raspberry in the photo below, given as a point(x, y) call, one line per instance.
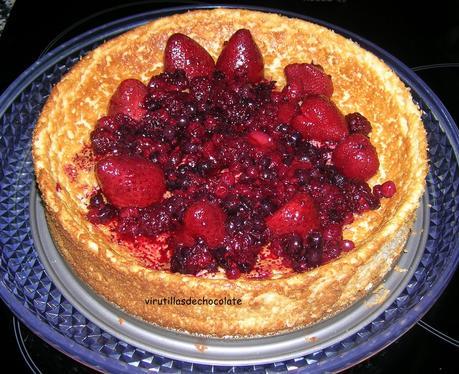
point(358, 124)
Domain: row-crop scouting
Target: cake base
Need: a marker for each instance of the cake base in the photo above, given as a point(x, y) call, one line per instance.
point(267, 307)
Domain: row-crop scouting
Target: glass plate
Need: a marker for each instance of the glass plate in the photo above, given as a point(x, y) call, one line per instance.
point(33, 297)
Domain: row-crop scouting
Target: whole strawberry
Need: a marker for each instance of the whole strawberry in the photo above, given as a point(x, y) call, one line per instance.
point(128, 99)
point(206, 220)
point(184, 53)
point(307, 79)
point(241, 57)
point(356, 158)
point(287, 110)
point(129, 181)
point(299, 215)
point(320, 120)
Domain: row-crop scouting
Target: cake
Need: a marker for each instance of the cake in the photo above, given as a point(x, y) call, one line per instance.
point(284, 246)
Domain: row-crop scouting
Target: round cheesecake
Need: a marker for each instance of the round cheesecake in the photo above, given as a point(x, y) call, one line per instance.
point(283, 300)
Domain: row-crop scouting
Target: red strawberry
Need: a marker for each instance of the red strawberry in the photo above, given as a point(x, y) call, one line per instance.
point(129, 181)
point(241, 57)
point(308, 79)
point(286, 111)
point(299, 215)
point(293, 91)
point(128, 99)
point(184, 53)
point(206, 220)
point(356, 158)
point(320, 120)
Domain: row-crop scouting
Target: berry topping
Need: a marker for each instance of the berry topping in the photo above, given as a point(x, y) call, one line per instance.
point(129, 181)
point(248, 168)
point(169, 81)
point(102, 141)
point(307, 79)
point(320, 120)
point(184, 53)
point(128, 99)
point(206, 220)
point(302, 253)
point(287, 110)
point(356, 158)
point(241, 58)
point(96, 201)
point(299, 215)
point(387, 189)
point(103, 214)
point(347, 245)
point(192, 260)
point(261, 140)
point(238, 255)
point(358, 124)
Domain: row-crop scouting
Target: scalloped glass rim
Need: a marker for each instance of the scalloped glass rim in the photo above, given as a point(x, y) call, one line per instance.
point(350, 357)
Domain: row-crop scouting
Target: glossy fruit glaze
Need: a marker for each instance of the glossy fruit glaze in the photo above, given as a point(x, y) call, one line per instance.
point(218, 168)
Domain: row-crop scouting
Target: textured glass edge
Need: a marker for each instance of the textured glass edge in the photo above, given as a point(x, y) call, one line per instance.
point(431, 100)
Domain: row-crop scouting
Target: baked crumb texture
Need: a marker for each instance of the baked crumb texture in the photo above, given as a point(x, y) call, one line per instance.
point(363, 83)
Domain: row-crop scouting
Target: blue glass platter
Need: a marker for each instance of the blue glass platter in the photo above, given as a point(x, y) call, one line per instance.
point(29, 292)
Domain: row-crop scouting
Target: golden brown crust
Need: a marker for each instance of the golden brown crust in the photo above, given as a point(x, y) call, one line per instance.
point(362, 83)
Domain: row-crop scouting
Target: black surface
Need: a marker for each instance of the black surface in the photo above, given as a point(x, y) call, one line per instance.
point(418, 34)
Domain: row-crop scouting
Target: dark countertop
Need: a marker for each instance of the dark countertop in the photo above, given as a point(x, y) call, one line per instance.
point(417, 34)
